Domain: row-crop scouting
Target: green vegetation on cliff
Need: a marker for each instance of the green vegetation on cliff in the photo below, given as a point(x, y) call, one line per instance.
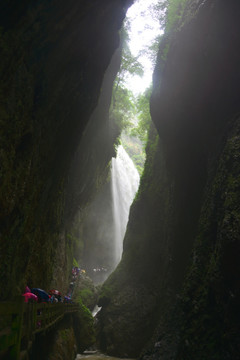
point(85, 292)
point(84, 328)
point(64, 346)
point(212, 280)
point(175, 11)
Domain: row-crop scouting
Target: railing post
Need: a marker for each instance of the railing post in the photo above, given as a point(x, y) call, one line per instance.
point(17, 318)
point(34, 317)
point(32, 313)
point(44, 315)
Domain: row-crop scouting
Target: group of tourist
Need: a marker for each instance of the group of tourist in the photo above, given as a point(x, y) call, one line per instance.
point(53, 296)
point(41, 296)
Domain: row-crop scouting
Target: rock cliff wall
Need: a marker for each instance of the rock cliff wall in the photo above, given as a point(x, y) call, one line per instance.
point(175, 294)
point(54, 56)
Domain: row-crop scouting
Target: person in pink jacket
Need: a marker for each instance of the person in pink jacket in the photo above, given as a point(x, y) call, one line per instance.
point(28, 295)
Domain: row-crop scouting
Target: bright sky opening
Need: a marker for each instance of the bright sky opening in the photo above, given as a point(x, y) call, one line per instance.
point(144, 28)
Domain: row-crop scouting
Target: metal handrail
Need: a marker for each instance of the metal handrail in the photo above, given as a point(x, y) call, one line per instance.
point(23, 321)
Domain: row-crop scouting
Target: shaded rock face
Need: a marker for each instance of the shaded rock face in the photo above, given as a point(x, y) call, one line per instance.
point(88, 180)
point(54, 56)
point(72, 335)
point(175, 294)
point(95, 149)
point(58, 344)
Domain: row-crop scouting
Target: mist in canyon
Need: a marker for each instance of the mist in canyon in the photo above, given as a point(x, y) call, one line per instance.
point(108, 216)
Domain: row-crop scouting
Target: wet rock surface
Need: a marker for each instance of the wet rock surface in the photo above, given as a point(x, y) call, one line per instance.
point(54, 56)
point(174, 246)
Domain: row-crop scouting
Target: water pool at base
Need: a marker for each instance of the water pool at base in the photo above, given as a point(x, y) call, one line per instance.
point(91, 355)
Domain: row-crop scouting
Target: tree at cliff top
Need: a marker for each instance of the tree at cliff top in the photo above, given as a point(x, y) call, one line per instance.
point(123, 111)
point(129, 111)
point(134, 138)
point(123, 107)
point(141, 36)
point(145, 23)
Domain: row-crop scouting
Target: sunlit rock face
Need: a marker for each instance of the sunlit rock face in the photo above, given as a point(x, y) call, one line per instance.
point(53, 59)
point(175, 295)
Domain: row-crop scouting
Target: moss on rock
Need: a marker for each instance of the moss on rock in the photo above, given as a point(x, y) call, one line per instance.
point(52, 78)
point(83, 323)
point(85, 292)
point(64, 346)
point(183, 227)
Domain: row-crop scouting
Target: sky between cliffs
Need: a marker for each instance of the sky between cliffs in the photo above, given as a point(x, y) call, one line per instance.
point(144, 28)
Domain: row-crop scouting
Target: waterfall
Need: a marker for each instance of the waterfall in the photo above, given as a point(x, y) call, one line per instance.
point(125, 182)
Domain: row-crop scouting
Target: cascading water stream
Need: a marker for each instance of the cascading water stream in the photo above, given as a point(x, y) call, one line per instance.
point(125, 183)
